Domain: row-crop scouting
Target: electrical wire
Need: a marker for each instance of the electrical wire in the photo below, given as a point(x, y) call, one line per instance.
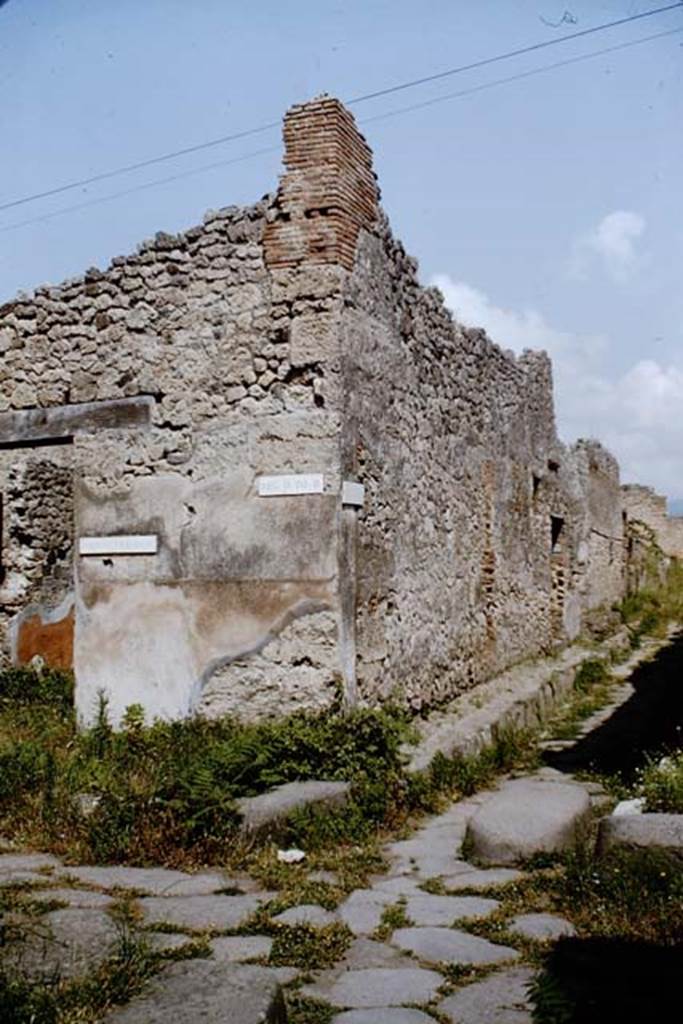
point(366, 120)
point(129, 168)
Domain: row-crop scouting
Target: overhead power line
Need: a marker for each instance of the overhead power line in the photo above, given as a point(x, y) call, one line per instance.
point(366, 120)
point(139, 165)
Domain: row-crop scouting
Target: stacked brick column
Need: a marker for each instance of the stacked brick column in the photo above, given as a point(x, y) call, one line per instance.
point(328, 192)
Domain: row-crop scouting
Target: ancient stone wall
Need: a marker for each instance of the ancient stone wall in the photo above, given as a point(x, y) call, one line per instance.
point(219, 352)
point(292, 339)
point(646, 506)
point(483, 540)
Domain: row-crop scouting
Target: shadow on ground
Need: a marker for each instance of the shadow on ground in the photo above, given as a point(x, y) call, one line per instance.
point(649, 723)
point(596, 981)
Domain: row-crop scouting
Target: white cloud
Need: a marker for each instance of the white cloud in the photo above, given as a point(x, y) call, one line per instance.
point(636, 414)
point(612, 244)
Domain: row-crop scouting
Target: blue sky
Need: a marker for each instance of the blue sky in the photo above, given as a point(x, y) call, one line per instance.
point(548, 209)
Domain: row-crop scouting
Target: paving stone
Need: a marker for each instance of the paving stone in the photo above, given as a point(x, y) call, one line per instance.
point(362, 910)
point(448, 945)
point(156, 881)
point(481, 878)
point(238, 948)
point(642, 832)
point(307, 913)
point(65, 944)
point(286, 975)
point(544, 927)
point(383, 1015)
point(213, 993)
point(500, 999)
point(444, 910)
point(10, 862)
point(81, 898)
point(20, 878)
point(199, 912)
point(527, 816)
point(368, 953)
point(424, 857)
point(399, 885)
point(375, 987)
point(264, 813)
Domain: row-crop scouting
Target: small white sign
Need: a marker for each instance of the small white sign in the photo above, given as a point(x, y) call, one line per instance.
point(353, 493)
point(295, 483)
point(120, 544)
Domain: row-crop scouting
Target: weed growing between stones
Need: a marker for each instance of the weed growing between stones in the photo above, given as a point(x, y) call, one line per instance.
point(304, 1010)
point(660, 783)
point(393, 916)
point(308, 947)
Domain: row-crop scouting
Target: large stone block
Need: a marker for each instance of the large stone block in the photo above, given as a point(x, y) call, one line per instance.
point(642, 832)
point(527, 816)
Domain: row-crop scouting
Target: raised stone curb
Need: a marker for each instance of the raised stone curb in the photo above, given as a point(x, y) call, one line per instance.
point(263, 815)
point(527, 816)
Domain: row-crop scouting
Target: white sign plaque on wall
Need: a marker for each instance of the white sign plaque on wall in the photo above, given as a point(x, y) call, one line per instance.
point(353, 493)
point(294, 483)
point(120, 544)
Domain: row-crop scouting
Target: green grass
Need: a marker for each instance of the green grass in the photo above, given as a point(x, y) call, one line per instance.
point(661, 784)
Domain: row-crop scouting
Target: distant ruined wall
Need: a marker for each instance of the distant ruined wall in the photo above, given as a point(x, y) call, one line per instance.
point(290, 337)
point(646, 506)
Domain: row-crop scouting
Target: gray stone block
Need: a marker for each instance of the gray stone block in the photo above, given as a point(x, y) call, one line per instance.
point(642, 832)
point(500, 999)
point(199, 912)
point(26, 862)
point(80, 898)
point(527, 816)
point(65, 944)
point(376, 987)
point(368, 953)
point(449, 946)
point(445, 910)
point(202, 990)
point(263, 814)
point(481, 878)
point(156, 881)
point(542, 927)
point(362, 911)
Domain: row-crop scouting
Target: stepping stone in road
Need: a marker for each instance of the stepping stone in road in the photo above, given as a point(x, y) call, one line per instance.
point(307, 913)
point(450, 946)
point(527, 816)
point(500, 999)
point(383, 1015)
point(444, 910)
point(202, 990)
point(375, 987)
point(199, 912)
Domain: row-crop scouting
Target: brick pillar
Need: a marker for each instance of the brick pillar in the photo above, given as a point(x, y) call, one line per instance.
point(328, 192)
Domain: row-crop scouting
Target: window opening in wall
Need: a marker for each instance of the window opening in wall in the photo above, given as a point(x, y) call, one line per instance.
point(535, 484)
point(556, 527)
point(553, 466)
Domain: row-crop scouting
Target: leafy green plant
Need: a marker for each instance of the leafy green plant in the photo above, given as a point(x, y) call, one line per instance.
point(661, 784)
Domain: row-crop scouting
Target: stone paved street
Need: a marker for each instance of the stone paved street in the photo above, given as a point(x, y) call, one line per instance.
point(400, 974)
